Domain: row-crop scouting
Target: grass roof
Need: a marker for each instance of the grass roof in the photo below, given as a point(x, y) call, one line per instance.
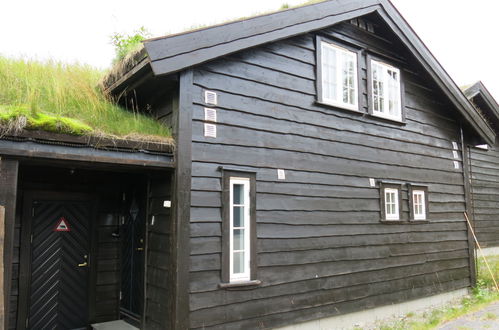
point(65, 98)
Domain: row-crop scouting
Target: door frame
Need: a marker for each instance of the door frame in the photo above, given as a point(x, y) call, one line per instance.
point(25, 248)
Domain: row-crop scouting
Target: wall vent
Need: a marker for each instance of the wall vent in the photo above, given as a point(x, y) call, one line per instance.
point(210, 115)
point(210, 98)
point(210, 130)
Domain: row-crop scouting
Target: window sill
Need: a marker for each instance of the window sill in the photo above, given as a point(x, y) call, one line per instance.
point(400, 122)
point(240, 284)
point(402, 222)
point(338, 107)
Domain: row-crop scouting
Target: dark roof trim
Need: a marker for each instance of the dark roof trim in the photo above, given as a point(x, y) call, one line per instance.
point(175, 53)
point(479, 88)
point(30, 149)
point(407, 35)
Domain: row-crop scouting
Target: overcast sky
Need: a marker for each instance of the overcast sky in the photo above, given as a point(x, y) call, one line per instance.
point(461, 34)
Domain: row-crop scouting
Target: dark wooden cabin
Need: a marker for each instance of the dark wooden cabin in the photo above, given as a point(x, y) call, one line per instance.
point(297, 194)
point(484, 168)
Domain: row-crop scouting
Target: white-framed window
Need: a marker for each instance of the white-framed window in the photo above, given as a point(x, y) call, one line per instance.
point(239, 235)
point(385, 91)
point(391, 201)
point(418, 202)
point(418, 205)
point(339, 76)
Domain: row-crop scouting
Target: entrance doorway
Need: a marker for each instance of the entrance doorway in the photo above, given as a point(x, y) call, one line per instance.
point(57, 238)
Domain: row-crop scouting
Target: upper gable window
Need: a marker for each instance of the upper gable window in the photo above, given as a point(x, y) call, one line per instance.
point(338, 76)
point(385, 91)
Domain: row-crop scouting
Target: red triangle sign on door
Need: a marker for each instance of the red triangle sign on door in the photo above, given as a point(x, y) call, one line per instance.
point(62, 225)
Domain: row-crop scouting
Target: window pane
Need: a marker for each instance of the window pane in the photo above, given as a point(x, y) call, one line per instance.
point(238, 216)
point(329, 72)
point(238, 266)
point(238, 239)
point(238, 192)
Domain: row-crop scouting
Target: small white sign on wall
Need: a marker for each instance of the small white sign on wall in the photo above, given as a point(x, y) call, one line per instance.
point(455, 154)
point(456, 165)
point(281, 174)
point(454, 145)
point(372, 182)
point(210, 130)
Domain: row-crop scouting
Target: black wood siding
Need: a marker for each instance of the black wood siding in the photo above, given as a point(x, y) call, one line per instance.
point(485, 195)
point(321, 247)
point(158, 277)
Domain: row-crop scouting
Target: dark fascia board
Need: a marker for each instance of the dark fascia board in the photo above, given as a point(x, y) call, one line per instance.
point(407, 35)
point(175, 53)
point(33, 150)
point(479, 88)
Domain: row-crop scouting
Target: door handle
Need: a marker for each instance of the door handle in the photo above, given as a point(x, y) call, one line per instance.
point(140, 249)
point(85, 264)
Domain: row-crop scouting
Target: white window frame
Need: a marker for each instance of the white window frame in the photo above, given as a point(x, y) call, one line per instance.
point(341, 52)
point(246, 275)
point(422, 215)
point(386, 68)
point(396, 215)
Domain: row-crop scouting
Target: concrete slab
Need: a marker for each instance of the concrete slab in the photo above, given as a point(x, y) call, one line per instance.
point(113, 325)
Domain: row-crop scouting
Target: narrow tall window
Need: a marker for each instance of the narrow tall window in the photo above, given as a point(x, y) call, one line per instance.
point(391, 204)
point(339, 76)
point(385, 91)
point(418, 202)
point(239, 257)
point(239, 229)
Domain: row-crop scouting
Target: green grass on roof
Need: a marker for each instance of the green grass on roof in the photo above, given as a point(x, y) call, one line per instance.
point(65, 98)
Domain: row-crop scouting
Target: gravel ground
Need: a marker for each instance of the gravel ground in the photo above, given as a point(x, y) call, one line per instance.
point(487, 318)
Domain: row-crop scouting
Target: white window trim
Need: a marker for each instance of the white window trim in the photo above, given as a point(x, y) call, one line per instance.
point(390, 216)
point(246, 276)
point(339, 85)
point(385, 94)
point(421, 216)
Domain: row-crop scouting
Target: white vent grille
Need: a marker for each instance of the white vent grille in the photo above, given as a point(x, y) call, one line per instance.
point(210, 98)
point(210, 115)
point(281, 174)
point(210, 130)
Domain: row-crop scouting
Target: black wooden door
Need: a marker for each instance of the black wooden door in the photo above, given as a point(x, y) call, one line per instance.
point(132, 263)
point(59, 269)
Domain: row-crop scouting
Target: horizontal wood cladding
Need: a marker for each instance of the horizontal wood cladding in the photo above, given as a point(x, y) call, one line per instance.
point(485, 195)
point(158, 307)
point(321, 249)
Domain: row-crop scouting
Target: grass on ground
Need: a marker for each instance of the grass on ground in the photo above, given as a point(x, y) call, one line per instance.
point(481, 296)
point(64, 98)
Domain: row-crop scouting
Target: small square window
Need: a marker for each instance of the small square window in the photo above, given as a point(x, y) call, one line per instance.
point(385, 91)
point(418, 202)
point(390, 201)
point(338, 85)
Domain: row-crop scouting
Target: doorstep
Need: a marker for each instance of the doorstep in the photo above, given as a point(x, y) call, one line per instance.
point(114, 325)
